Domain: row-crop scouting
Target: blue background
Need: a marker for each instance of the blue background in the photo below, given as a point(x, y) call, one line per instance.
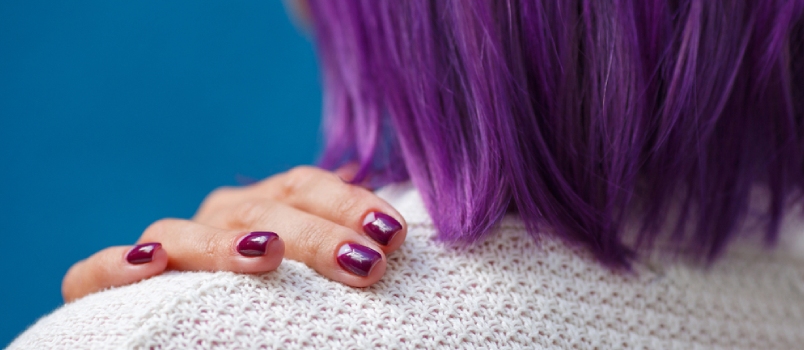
point(114, 114)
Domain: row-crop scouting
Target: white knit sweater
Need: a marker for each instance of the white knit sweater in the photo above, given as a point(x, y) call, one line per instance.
point(507, 292)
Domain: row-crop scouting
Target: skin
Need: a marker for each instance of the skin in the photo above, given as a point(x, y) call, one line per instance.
point(313, 211)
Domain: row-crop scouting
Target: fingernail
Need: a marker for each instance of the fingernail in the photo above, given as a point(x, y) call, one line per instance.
point(142, 253)
point(255, 243)
point(381, 227)
point(358, 259)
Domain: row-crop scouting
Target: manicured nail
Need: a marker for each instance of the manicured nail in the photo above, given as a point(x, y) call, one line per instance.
point(142, 253)
point(358, 259)
point(255, 243)
point(381, 227)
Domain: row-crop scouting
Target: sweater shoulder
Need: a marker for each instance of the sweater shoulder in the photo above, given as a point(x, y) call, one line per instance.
point(507, 291)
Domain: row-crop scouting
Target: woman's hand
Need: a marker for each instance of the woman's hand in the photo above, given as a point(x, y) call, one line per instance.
point(343, 231)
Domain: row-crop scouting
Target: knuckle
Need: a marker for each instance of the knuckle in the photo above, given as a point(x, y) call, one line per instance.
point(350, 203)
point(215, 198)
point(219, 194)
point(311, 242)
point(157, 229)
point(298, 179)
point(210, 246)
point(355, 200)
point(248, 213)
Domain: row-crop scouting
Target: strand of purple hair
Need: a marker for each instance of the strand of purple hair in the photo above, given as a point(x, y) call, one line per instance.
point(579, 115)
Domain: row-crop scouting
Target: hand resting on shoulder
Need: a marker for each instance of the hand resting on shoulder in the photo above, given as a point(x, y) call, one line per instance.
point(341, 230)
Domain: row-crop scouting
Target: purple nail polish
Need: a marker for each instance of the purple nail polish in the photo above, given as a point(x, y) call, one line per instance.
point(358, 259)
point(381, 227)
point(255, 243)
point(142, 253)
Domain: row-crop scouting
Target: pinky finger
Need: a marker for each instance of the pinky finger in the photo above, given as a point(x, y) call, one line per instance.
point(113, 267)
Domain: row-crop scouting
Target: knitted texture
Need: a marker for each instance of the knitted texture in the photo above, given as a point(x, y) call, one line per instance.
point(506, 292)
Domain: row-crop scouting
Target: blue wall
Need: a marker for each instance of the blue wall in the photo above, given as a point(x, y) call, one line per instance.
point(114, 114)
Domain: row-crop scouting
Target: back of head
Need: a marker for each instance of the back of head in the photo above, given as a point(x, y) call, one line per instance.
point(577, 114)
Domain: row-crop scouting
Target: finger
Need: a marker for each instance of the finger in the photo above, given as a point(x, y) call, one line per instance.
point(221, 197)
point(113, 267)
point(335, 251)
point(196, 247)
point(347, 172)
point(323, 194)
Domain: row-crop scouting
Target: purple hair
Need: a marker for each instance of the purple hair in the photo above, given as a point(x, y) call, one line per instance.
point(578, 114)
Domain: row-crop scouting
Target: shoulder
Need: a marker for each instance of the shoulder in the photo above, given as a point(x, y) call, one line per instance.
point(508, 291)
point(108, 318)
